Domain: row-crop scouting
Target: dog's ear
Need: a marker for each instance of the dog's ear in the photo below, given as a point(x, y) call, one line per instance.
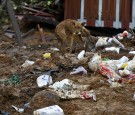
point(73, 23)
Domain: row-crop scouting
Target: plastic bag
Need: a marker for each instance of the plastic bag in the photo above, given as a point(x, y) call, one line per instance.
point(44, 80)
point(51, 110)
point(79, 70)
point(94, 63)
point(103, 41)
point(105, 70)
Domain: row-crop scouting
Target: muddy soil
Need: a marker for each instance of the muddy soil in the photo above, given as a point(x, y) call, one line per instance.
point(23, 88)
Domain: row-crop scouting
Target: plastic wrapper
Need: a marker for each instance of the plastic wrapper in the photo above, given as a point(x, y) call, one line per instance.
point(89, 95)
point(105, 70)
point(79, 70)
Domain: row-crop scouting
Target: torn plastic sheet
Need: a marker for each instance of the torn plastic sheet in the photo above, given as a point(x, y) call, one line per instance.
point(66, 89)
point(67, 84)
point(74, 94)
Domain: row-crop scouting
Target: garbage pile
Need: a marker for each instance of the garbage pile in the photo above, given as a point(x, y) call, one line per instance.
point(68, 73)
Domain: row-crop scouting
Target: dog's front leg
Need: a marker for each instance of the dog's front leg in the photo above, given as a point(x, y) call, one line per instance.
point(71, 43)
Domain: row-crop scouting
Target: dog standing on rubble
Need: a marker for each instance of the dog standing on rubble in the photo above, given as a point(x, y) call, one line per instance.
point(69, 32)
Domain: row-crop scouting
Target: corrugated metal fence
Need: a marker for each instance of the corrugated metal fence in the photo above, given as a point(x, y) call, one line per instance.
point(102, 13)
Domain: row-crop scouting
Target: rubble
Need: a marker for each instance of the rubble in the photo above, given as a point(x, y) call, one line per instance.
point(88, 80)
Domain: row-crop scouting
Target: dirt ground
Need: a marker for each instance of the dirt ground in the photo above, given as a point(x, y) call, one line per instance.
point(23, 88)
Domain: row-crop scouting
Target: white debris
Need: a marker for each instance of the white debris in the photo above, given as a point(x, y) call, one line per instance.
point(79, 70)
point(51, 110)
point(44, 80)
point(81, 54)
point(28, 63)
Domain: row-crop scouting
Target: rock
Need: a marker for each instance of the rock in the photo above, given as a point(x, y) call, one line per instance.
point(44, 98)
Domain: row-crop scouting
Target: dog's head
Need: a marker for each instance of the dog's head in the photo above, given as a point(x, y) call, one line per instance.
point(79, 29)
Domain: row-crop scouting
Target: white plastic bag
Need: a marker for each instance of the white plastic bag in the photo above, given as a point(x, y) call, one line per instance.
point(124, 72)
point(95, 61)
point(113, 49)
point(65, 84)
point(27, 63)
point(103, 41)
point(51, 110)
point(44, 80)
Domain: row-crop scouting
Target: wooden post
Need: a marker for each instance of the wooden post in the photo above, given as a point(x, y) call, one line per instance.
point(14, 22)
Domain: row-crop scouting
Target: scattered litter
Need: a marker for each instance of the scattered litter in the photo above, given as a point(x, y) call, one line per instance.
point(79, 70)
point(131, 78)
point(107, 41)
point(28, 63)
point(123, 59)
point(103, 41)
point(21, 110)
point(115, 49)
point(120, 36)
point(14, 80)
point(55, 49)
point(105, 70)
point(132, 52)
point(51, 110)
point(64, 84)
point(131, 66)
point(66, 89)
point(124, 72)
point(44, 80)
point(47, 55)
point(94, 62)
point(114, 84)
point(105, 59)
point(81, 54)
point(89, 95)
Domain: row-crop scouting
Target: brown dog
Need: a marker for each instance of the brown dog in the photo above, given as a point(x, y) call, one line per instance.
point(69, 32)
